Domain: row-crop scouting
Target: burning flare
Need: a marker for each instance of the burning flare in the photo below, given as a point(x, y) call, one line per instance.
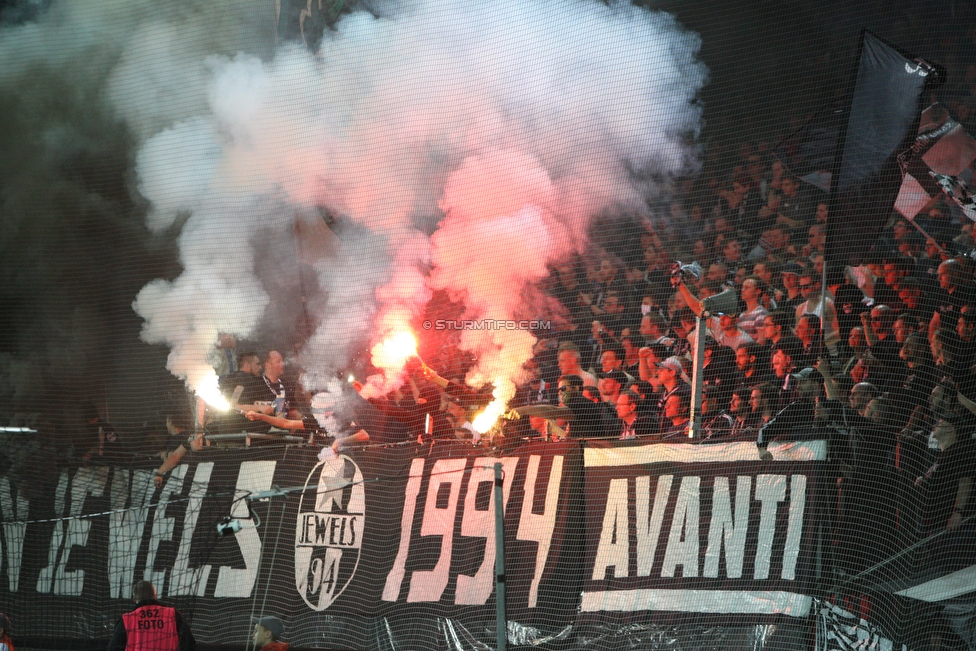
point(484, 421)
point(394, 351)
point(390, 356)
point(209, 390)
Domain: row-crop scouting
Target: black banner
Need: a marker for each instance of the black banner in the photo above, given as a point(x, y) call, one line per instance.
point(683, 531)
point(395, 547)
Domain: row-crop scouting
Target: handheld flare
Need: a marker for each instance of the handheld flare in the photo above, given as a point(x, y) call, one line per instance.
point(209, 391)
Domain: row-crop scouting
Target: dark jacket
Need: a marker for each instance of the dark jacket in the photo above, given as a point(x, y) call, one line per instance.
point(587, 418)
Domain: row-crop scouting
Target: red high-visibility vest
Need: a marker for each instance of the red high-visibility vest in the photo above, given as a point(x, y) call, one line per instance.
point(151, 628)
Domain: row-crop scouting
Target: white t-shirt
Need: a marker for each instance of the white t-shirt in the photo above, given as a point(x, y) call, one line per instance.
point(733, 341)
point(751, 321)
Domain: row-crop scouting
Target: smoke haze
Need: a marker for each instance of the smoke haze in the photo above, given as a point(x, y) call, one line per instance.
point(85, 86)
point(519, 121)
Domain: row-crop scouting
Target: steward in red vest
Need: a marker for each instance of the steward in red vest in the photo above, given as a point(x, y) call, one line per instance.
point(151, 626)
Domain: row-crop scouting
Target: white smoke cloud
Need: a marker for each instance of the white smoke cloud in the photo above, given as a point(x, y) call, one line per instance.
point(519, 120)
point(83, 83)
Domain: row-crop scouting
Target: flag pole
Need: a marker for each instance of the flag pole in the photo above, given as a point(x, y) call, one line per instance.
point(833, 197)
point(501, 617)
point(928, 238)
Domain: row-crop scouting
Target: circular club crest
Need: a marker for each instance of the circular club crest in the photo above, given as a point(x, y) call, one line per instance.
point(329, 533)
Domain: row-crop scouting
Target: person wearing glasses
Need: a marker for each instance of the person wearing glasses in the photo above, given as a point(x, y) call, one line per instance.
point(583, 418)
point(587, 419)
point(813, 303)
point(774, 326)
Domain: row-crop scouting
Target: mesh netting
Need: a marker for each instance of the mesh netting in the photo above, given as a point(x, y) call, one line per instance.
point(429, 325)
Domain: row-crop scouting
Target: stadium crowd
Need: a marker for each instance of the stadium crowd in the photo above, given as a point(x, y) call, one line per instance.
point(892, 337)
point(884, 349)
point(880, 359)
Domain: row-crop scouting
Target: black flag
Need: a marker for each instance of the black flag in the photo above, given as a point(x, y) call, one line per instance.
point(868, 135)
point(881, 124)
point(811, 152)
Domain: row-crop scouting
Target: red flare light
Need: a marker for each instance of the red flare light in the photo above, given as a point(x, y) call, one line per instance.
point(394, 351)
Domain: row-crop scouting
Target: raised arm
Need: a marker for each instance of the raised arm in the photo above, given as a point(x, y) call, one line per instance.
point(433, 377)
point(644, 367)
point(690, 298)
point(869, 335)
point(830, 385)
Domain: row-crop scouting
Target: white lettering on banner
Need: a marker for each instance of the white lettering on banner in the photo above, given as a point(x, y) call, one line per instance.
point(13, 512)
point(70, 533)
point(446, 475)
point(794, 528)
point(770, 491)
point(443, 491)
point(252, 477)
point(126, 526)
point(614, 547)
point(474, 523)
point(391, 589)
point(727, 529)
point(57, 536)
point(539, 528)
point(186, 580)
point(649, 530)
point(683, 540)
point(162, 527)
point(339, 531)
